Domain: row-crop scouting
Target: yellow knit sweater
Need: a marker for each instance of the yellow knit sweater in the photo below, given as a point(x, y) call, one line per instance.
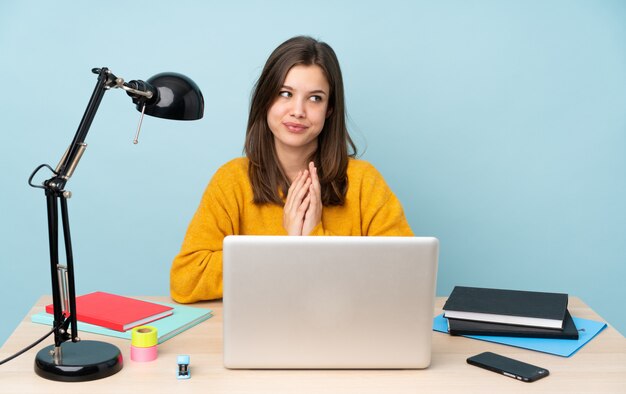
point(226, 208)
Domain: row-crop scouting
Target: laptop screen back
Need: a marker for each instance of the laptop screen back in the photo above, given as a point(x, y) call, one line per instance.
point(328, 302)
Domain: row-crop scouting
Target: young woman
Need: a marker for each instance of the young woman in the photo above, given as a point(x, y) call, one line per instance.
point(299, 176)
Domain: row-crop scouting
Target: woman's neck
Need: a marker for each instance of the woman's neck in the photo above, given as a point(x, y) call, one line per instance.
point(293, 160)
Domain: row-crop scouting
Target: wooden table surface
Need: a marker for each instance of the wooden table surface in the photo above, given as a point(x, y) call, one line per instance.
point(599, 367)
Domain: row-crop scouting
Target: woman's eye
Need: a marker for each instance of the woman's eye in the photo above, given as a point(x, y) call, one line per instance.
point(285, 93)
point(316, 98)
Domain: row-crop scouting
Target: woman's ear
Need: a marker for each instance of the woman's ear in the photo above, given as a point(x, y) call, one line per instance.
point(329, 112)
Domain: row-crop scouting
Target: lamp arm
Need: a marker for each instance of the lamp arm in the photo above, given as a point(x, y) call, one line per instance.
point(69, 161)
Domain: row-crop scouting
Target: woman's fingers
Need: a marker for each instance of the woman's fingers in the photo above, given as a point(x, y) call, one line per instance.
point(313, 214)
point(296, 204)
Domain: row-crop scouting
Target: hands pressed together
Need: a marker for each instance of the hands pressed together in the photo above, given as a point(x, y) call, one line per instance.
point(303, 206)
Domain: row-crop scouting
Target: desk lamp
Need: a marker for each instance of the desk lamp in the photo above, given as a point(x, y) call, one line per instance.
point(165, 95)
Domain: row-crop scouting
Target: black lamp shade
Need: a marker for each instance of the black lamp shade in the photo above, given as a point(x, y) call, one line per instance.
point(176, 97)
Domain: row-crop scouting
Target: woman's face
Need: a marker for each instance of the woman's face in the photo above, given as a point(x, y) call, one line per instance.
point(297, 115)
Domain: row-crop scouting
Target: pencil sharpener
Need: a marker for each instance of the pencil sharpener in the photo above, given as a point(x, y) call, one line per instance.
point(183, 367)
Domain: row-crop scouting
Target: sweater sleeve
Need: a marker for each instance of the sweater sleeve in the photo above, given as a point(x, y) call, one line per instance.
point(381, 211)
point(196, 272)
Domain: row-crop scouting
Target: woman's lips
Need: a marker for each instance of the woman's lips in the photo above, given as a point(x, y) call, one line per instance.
point(295, 127)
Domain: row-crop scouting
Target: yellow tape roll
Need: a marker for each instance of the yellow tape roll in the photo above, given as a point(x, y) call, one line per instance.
point(144, 336)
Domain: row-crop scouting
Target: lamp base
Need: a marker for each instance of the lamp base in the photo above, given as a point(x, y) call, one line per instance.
point(80, 361)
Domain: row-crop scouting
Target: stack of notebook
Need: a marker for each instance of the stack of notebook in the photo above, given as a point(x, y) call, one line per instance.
point(512, 313)
point(114, 315)
point(116, 312)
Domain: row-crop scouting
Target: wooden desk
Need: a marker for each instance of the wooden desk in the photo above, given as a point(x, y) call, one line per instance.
point(599, 367)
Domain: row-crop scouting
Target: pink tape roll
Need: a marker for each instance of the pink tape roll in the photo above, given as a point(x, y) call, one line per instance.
point(142, 354)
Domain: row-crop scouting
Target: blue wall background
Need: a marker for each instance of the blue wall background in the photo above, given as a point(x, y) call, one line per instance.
point(500, 125)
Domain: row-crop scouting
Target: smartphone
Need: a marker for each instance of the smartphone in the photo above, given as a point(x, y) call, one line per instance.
point(508, 367)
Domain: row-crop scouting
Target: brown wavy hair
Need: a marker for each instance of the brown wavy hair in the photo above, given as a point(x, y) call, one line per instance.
point(334, 148)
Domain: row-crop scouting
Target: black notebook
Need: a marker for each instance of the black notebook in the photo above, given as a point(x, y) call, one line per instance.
point(524, 308)
point(470, 327)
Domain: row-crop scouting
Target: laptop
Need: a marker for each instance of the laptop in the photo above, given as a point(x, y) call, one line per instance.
point(328, 302)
